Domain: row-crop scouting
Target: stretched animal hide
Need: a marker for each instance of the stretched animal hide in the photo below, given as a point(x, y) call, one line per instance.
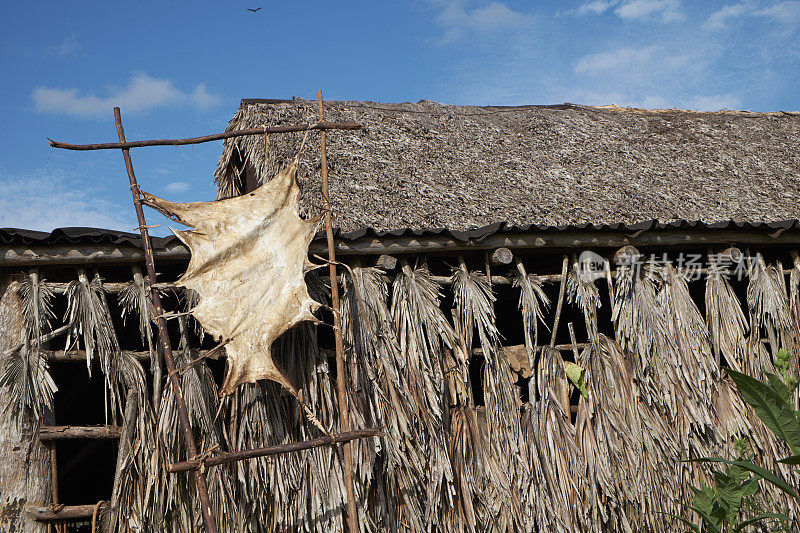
point(247, 264)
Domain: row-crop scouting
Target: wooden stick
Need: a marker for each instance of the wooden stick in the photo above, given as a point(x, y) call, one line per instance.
point(50, 433)
point(610, 283)
point(321, 125)
point(60, 512)
point(574, 343)
point(79, 356)
point(54, 481)
point(276, 450)
point(532, 352)
point(561, 291)
point(163, 334)
point(344, 411)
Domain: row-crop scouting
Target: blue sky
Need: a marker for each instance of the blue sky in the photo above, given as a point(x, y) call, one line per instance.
point(179, 69)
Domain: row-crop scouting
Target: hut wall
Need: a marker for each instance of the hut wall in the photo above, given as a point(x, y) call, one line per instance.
point(25, 466)
point(441, 419)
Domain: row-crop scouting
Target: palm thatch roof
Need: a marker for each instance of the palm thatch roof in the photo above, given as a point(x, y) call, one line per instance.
point(427, 164)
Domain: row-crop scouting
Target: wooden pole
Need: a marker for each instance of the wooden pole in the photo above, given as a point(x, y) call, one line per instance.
point(54, 482)
point(66, 512)
point(344, 411)
point(561, 291)
point(163, 334)
point(275, 450)
point(124, 145)
point(49, 433)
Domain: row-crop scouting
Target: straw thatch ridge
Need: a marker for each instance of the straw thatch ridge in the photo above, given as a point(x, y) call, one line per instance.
point(429, 165)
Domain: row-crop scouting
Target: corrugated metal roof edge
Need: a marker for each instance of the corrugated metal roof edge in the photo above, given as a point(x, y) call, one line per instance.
point(80, 235)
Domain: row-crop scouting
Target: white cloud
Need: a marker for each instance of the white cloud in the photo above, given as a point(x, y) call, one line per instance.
point(177, 186)
point(143, 93)
point(785, 13)
point(69, 46)
point(718, 20)
point(714, 102)
point(669, 10)
point(458, 20)
point(623, 59)
point(46, 200)
point(597, 7)
point(654, 77)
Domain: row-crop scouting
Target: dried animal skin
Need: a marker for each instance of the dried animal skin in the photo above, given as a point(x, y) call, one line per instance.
point(248, 256)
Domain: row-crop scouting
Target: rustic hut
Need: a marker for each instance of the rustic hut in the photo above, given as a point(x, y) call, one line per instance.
point(484, 248)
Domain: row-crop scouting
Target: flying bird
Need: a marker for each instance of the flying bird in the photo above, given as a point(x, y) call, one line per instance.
point(254, 10)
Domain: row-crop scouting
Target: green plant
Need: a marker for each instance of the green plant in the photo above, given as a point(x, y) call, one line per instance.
point(730, 504)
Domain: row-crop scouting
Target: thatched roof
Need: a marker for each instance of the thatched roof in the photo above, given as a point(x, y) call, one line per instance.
point(428, 165)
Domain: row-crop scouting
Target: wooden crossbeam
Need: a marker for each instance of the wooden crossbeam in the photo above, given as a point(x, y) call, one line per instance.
point(79, 432)
point(275, 450)
point(56, 513)
point(322, 126)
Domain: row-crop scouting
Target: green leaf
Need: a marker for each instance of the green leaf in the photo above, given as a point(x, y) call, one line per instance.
point(729, 494)
point(575, 375)
point(712, 520)
point(763, 472)
point(779, 386)
point(793, 460)
point(771, 407)
point(750, 487)
point(704, 498)
point(766, 516)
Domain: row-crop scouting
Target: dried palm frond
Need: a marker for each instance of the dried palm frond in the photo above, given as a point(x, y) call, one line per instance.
point(289, 492)
point(724, 317)
point(322, 493)
point(769, 309)
point(604, 439)
point(468, 445)
point(364, 451)
point(467, 450)
point(90, 320)
point(641, 327)
point(555, 448)
point(24, 370)
point(474, 308)
point(794, 308)
point(368, 328)
point(130, 508)
point(424, 333)
point(134, 299)
point(31, 388)
point(690, 367)
point(631, 450)
point(658, 322)
point(190, 300)
point(175, 505)
point(582, 292)
point(37, 307)
point(533, 302)
point(266, 484)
